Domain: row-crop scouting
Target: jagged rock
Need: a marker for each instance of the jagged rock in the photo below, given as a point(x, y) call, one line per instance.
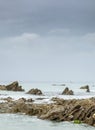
point(82, 110)
point(35, 91)
point(85, 87)
point(67, 91)
point(14, 87)
point(90, 111)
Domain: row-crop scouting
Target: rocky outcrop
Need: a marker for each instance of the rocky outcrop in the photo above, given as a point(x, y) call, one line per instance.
point(35, 91)
point(12, 87)
point(82, 110)
point(70, 110)
point(67, 92)
point(85, 87)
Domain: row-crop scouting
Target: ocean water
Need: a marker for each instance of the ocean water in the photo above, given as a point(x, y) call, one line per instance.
point(49, 90)
point(23, 122)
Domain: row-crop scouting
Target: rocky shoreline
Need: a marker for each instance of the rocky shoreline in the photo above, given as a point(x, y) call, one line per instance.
point(81, 110)
point(60, 110)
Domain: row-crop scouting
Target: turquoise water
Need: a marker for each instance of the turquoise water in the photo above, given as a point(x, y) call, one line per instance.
point(23, 122)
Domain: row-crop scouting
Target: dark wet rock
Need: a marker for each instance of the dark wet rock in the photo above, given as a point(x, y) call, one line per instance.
point(30, 100)
point(70, 92)
point(90, 111)
point(35, 91)
point(85, 87)
point(12, 87)
point(67, 91)
point(40, 98)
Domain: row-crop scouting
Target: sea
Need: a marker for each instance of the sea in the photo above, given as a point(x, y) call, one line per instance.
point(50, 90)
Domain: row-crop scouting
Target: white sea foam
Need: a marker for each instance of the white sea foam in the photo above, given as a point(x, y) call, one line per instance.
point(50, 91)
point(23, 122)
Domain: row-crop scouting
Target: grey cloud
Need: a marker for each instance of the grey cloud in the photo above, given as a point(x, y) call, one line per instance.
point(35, 57)
point(41, 16)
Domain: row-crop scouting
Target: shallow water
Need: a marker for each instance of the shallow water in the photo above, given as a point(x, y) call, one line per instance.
point(24, 122)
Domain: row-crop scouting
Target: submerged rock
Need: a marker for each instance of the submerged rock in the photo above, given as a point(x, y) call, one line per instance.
point(62, 84)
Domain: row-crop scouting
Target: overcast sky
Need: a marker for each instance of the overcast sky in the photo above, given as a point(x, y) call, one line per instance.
point(47, 40)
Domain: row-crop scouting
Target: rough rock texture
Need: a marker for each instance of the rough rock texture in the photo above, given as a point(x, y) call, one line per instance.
point(35, 92)
point(60, 110)
point(67, 91)
point(12, 87)
point(85, 87)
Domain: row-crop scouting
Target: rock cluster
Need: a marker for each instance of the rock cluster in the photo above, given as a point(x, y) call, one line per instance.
point(82, 110)
point(12, 87)
point(35, 91)
point(67, 91)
